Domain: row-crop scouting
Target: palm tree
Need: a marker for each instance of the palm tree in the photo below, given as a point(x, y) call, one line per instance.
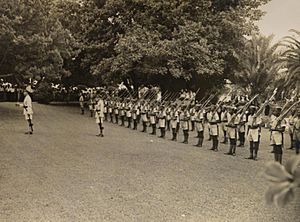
point(291, 60)
point(258, 66)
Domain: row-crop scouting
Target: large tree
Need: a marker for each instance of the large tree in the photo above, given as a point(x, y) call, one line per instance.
point(258, 64)
point(33, 42)
point(155, 42)
point(291, 60)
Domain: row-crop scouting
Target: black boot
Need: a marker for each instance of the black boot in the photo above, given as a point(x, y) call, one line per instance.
point(161, 133)
point(233, 150)
point(174, 136)
point(213, 143)
point(185, 138)
point(256, 147)
point(280, 158)
point(164, 133)
point(225, 138)
point(216, 145)
point(168, 125)
point(193, 126)
point(230, 150)
point(144, 127)
point(153, 129)
point(251, 151)
point(129, 123)
point(200, 141)
point(135, 125)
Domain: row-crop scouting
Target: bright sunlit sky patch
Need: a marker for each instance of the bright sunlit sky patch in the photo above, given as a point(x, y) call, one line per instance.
point(282, 15)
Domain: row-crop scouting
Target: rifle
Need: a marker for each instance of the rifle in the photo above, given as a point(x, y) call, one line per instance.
point(242, 111)
point(152, 100)
point(122, 94)
point(284, 114)
point(287, 102)
point(142, 97)
point(204, 105)
point(174, 95)
point(220, 102)
point(258, 112)
point(166, 95)
point(204, 97)
point(189, 101)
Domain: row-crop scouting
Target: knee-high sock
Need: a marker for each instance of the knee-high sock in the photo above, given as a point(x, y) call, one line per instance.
point(100, 128)
point(30, 125)
point(256, 146)
point(251, 148)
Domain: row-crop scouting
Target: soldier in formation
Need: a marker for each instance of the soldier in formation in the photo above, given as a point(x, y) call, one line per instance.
point(233, 122)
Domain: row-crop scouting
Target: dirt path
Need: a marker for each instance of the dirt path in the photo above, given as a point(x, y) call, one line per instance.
point(65, 173)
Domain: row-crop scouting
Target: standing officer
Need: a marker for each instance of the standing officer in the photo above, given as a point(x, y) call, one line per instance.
point(99, 115)
point(28, 111)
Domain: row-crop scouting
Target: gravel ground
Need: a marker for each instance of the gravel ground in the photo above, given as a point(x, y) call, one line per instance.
point(65, 173)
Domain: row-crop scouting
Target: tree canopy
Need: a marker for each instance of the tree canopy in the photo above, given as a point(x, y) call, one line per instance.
point(153, 42)
point(33, 43)
point(189, 43)
point(258, 64)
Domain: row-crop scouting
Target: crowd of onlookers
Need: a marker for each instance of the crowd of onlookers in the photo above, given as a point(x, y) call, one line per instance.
point(9, 92)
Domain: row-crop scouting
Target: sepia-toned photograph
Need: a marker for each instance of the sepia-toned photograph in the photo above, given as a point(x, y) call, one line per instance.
point(149, 111)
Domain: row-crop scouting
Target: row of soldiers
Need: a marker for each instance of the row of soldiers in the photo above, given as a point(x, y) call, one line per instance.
point(235, 122)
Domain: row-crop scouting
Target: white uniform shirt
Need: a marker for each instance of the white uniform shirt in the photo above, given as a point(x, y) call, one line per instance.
point(99, 109)
point(27, 104)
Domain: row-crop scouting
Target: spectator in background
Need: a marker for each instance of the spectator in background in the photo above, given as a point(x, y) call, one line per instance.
point(81, 103)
